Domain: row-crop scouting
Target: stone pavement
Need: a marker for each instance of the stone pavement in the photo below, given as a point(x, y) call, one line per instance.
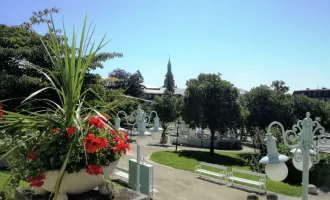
point(173, 184)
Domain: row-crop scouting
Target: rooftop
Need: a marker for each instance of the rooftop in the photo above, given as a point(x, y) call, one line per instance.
point(150, 89)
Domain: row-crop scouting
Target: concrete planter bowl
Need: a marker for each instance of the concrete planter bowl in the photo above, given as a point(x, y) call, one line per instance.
point(75, 183)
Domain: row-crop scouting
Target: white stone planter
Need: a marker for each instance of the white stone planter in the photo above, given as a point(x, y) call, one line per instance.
point(75, 183)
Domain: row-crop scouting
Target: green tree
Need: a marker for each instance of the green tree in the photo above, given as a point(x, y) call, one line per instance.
point(132, 84)
point(21, 50)
point(135, 87)
point(266, 105)
point(169, 82)
point(167, 108)
point(279, 86)
point(317, 108)
point(211, 102)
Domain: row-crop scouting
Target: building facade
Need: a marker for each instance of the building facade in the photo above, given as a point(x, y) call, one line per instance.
point(321, 94)
point(151, 92)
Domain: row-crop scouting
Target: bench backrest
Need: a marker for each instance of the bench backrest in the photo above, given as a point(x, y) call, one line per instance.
point(122, 169)
point(249, 172)
point(214, 166)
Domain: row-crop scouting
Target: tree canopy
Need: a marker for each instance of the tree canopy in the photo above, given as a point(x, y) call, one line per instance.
point(132, 84)
point(211, 102)
point(21, 49)
point(279, 86)
point(167, 108)
point(266, 105)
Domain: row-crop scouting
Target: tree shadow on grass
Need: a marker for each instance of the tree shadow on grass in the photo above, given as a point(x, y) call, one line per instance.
point(218, 159)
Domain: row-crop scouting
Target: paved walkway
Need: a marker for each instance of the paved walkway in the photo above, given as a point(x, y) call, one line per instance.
point(180, 185)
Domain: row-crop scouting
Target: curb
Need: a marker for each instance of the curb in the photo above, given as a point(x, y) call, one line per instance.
point(180, 170)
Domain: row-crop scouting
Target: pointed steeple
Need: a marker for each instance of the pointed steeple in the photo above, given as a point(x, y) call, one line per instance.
point(169, 82)
point(169, 66)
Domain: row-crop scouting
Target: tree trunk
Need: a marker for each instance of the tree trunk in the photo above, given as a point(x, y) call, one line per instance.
point(212, 142)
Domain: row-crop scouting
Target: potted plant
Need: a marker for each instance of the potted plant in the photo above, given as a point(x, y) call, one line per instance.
point(67, 147)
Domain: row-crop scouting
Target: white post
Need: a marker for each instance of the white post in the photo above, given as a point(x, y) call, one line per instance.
point(138, 168)
point(202, 133)
point(307, 134)
point(305, 173)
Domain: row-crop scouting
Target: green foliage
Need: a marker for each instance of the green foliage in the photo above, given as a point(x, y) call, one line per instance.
point(167, 108)
point(132, 84)
point(211, 102)
point(135, 87)
point(279, 86)
point(29, 132)
point(266, 105)
point(302, 104)
point(21, 50)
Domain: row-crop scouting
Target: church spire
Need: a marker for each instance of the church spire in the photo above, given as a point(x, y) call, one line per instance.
point(169, 82)
point(169, 66)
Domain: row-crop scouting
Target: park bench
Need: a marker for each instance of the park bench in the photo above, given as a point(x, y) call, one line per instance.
point(261, 183)
point(220, 175)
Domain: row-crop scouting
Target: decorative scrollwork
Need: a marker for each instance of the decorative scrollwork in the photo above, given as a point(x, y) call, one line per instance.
point(314, 157)
point(130, 119)
point(292, 137)
point(298, 155)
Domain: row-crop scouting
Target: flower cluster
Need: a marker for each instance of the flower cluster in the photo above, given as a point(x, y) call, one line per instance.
point(2, 114)
point(94, 169)
point(36, 181)
point(121, 143)
point(101, 145)
point(94, 144)
point(97, 121)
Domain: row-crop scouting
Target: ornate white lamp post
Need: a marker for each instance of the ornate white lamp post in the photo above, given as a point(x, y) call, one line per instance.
point(301, 142)
point(140, 119)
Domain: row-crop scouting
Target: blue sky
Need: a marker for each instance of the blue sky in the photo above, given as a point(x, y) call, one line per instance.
point(249, 42)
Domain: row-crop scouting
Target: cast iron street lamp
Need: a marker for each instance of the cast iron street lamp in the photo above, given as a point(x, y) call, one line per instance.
point(140, 119)
point(301, 142)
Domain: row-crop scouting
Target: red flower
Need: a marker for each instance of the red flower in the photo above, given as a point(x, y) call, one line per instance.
point(36, 181)
point(104, 142)
point(31, 156)
point(94, 169)
point(93, 121)
point(71, 130)
point(2, 114)
point(113, 132)
point(100, 124)
point(93, 144)
point(116, 150)
point(55, 130)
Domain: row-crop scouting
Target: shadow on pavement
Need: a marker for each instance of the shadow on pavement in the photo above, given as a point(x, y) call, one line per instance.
point(205, 156)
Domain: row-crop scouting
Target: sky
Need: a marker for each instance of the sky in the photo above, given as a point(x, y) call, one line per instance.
point(249, 42)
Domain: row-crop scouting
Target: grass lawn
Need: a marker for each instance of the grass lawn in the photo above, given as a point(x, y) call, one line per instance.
point(187, 160)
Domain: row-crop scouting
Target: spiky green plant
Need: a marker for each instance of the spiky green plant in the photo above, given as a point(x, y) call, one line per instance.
point(30, 129)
